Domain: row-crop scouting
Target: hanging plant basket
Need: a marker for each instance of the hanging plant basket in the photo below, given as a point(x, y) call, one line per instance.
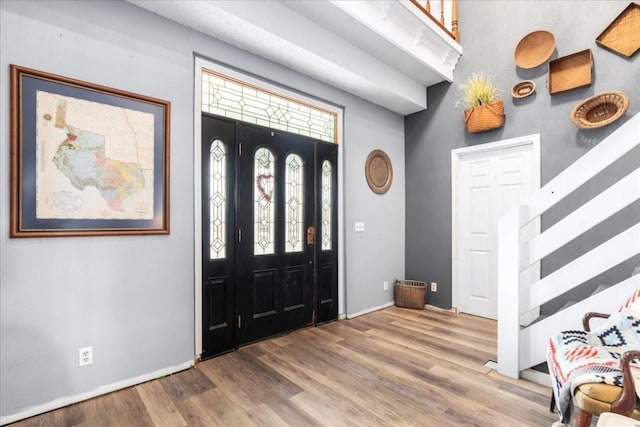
point(484, 117)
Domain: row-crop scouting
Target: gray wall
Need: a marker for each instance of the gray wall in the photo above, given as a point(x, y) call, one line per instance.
point(490, 31)
point(377, 254)
point(132, 298)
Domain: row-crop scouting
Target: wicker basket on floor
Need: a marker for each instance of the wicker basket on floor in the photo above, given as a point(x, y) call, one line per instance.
point(409, 293)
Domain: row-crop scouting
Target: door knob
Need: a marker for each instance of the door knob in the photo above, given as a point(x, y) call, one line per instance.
point(311, 234)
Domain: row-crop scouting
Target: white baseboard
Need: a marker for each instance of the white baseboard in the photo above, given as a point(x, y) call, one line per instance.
point(65, 401)
point(453, 310)
point(369, 310)
point(536, 377)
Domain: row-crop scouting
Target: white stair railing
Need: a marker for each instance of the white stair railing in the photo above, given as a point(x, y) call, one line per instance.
point(521, 348)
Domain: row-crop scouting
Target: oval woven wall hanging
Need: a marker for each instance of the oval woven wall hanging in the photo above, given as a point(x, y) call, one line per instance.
point(378, 171)
point(523, 89)
point(534, 49)
point(600, 110)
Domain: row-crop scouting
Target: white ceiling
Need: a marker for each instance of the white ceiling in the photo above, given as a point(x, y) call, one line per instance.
point(384, 51)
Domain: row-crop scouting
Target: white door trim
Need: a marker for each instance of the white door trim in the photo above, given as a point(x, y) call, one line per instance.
point(533, 141)
point(199, 65)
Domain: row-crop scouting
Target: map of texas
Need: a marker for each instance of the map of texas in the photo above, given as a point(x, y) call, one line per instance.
point(81, 158)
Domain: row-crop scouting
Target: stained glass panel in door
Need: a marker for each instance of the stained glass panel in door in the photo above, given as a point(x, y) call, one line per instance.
point(264, 218)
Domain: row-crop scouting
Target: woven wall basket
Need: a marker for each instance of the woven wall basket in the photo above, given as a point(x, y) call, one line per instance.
point(600, 110)
point(484, 117)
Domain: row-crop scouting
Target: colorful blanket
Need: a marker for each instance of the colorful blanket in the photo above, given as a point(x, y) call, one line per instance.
point(579, 357)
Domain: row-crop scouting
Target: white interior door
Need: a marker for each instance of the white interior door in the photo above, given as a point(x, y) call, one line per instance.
point(487, 180)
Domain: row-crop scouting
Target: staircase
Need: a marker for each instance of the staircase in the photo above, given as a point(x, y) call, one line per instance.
point(522, 347)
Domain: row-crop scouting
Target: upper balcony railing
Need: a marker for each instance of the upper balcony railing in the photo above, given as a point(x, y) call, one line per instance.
point(443, 13)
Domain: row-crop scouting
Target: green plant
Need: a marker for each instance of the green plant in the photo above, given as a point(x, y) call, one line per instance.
point(479, 90)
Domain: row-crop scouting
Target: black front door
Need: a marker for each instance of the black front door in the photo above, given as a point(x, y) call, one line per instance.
point(279, 271)
point(275, 206)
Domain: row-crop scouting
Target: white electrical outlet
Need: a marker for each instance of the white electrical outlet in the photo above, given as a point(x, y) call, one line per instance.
point(385, 285)
point(85, 356)
point(434, 287)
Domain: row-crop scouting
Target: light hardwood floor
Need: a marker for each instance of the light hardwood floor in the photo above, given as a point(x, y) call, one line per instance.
point(393, 367)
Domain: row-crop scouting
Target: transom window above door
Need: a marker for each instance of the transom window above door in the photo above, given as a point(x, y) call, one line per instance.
point(227, 97)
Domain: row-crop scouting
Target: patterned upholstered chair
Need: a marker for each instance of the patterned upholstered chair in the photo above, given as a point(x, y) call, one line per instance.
point(595, 369)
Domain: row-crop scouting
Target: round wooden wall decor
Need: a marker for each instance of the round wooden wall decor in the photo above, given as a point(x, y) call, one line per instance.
point(378, 171)
point(534, 49)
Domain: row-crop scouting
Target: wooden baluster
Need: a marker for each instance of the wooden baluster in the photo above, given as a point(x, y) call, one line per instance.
point(454, 20)
point(426, 9)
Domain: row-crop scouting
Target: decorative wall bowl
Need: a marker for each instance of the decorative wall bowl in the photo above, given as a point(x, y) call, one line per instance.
point(378, 171)
point(534, 49)
point(523, 89)
point(600, 110)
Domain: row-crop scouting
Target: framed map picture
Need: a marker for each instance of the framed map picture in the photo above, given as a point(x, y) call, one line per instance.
point(86, 159)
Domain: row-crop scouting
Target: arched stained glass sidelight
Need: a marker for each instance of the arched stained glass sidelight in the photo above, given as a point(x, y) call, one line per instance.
point(217, 200)
point(264, 212)
point(327, 190)
point(294, 200)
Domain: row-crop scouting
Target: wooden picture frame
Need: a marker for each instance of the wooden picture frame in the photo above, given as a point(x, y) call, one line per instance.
point(86, 160)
